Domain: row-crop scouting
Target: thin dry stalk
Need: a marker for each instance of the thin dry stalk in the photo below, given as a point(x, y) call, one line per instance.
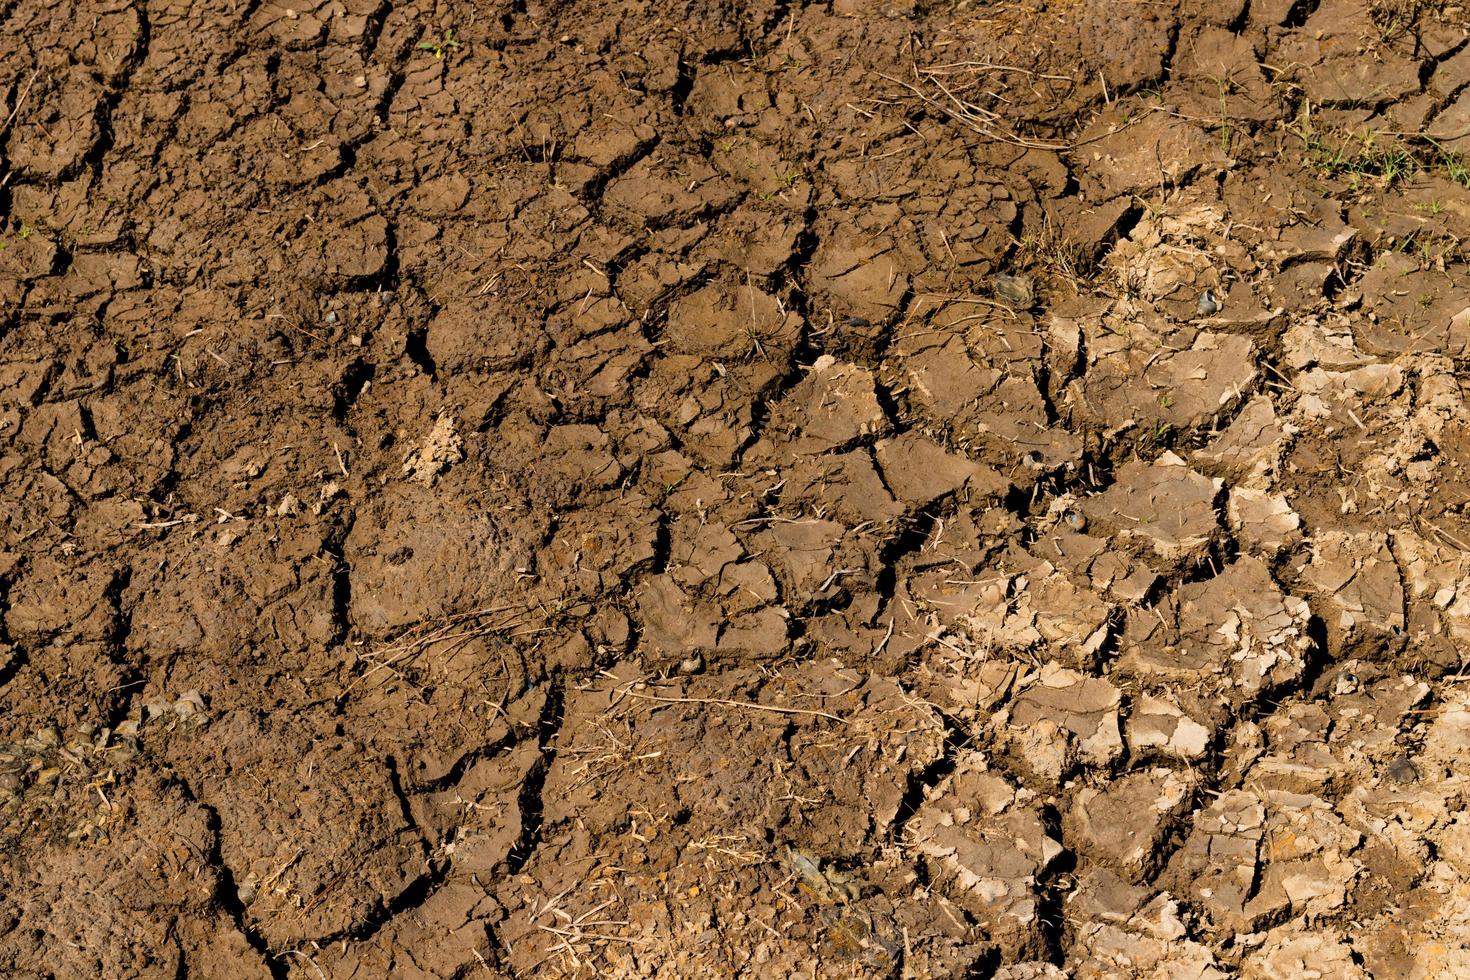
point(410, 645)
point(967, 113)
point(730, 703)
point(599, 761)
point(19, 101)
point(572, 940)
point(727, 844)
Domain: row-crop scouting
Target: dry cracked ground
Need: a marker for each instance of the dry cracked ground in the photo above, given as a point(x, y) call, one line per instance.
point(859, 489)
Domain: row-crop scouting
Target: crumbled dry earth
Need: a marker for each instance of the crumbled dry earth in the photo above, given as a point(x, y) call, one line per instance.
point(868, 489)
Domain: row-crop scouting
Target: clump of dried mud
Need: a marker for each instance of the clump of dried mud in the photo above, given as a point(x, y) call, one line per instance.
point(734, 489)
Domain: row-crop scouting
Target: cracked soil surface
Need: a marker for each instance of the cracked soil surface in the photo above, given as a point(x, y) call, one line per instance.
point(876, 488)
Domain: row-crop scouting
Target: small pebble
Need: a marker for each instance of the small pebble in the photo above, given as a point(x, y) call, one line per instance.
point(191, 705)
point(691, 665)
point(1401, 771)
point(1016, 291)
point(332, 317)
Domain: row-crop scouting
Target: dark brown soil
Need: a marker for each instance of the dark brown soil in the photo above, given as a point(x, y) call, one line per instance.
point(867, 489)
